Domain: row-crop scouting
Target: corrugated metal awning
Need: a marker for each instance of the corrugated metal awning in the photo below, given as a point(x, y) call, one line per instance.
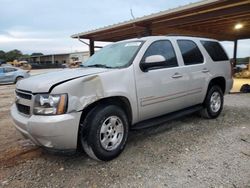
point(210, 18)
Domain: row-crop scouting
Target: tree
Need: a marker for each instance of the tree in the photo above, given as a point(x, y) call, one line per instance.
point(2, 55)
point(25, 57)
point(16, 55)
point(12, 55)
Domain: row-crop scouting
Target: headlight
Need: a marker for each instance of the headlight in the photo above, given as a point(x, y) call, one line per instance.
point(50, 104)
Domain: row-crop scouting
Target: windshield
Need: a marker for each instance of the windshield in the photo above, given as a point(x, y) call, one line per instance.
point(115, 55)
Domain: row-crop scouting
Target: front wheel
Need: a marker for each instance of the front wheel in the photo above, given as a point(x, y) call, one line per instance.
point(106, 133)
point(213, 103)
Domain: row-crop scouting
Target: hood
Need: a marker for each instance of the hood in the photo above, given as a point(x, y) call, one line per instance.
point(43, 82)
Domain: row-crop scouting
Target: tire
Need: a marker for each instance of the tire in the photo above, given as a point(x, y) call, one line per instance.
point(106, 134)
point(213, 103)
point(18, 79)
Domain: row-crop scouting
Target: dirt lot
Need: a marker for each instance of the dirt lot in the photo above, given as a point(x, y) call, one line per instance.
point(189, 152)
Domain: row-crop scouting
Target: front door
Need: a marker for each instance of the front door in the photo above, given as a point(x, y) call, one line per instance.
point(161, 89)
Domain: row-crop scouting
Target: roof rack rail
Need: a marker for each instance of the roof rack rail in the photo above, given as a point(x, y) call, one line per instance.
point(181, 35)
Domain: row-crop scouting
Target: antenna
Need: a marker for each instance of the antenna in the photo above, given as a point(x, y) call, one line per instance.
point(131, 12)
point(134, 25)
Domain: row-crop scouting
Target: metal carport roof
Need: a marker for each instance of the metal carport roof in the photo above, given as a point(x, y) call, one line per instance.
point(210, 18)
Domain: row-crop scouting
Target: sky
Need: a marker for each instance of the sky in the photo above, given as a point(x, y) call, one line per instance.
point(46, 25)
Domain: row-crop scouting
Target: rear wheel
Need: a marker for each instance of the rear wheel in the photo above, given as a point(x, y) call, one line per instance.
point(107, 132)
point(213, 103)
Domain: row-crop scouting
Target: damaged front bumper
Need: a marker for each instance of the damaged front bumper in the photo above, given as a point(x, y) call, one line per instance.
point(58, 132)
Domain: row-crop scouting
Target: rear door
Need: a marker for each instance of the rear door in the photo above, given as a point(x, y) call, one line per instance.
point(161, 90)
point(196, 67)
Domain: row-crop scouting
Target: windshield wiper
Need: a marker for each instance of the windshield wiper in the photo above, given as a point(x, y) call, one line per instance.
point(99, 65)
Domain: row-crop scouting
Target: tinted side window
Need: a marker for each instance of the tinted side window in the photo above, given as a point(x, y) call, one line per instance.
point(164, 48)
point(190, 52)
point(215, 50)
point(1, 70)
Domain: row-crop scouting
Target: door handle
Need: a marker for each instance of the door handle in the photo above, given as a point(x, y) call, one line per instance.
point(205, 70)
point(177, 75)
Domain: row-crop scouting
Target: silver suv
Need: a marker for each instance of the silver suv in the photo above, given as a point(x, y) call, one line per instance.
point(127, 85)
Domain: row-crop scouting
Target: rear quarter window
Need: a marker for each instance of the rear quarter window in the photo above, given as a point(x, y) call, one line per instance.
point(215, 50)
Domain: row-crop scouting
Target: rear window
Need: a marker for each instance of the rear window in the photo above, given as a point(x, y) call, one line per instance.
point(215, 51)
point(190, 52)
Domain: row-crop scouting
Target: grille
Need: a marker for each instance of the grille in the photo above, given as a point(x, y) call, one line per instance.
point(23, 95)
point(23, 109)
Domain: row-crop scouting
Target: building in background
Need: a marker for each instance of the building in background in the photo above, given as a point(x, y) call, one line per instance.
point(65, 58)
point(79, 56)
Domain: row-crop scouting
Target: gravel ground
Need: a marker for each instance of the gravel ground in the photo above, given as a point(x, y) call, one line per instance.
point(188, 152)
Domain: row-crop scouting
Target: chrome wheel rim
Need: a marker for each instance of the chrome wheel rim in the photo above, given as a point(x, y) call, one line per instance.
point(111, 133)
point(215, 101)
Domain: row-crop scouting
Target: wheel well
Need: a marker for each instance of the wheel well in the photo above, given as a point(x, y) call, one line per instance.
point(17, 78)
point(120, 101)
point(220, 81)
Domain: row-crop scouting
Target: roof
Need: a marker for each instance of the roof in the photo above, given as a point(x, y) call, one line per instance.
point(210, 18)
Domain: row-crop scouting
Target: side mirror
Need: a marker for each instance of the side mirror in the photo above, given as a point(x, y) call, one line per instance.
point(152, 61)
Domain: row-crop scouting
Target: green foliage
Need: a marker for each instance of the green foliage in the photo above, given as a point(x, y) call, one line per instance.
point(2, 55)
point(244, 60)
point(15, 55)
point(24, 57)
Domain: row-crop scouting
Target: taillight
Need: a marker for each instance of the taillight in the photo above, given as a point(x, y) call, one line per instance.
point(232, 70)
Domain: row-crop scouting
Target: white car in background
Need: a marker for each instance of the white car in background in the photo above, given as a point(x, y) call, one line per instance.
point(9, 74)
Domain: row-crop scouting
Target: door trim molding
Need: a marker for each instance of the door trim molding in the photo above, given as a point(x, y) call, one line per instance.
point(154, 100)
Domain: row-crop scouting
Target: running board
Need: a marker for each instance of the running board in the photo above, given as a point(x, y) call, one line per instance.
point(164, 118)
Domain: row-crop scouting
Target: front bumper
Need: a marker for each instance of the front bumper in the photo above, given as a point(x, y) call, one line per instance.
point(57, 132)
